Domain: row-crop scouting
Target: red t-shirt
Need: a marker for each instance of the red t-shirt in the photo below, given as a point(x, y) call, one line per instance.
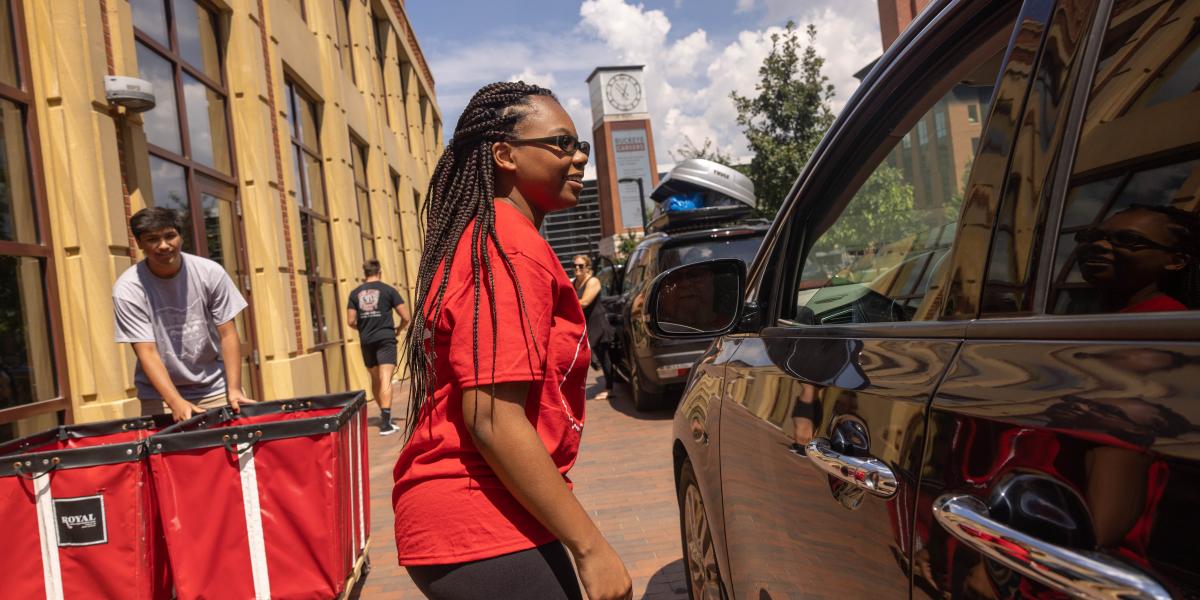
point(1159, 303)
point(450, 507)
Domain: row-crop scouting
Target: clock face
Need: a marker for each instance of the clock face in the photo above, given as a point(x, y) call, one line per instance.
point(623, 92)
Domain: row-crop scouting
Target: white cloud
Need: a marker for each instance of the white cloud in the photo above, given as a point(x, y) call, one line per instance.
point(689, 74)
point(532, 77)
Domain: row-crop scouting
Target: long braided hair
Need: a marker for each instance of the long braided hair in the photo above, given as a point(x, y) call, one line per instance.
point(461, 191)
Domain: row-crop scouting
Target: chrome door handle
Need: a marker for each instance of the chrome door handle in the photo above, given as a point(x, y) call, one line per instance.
point(870, 474)
point(1079, 573)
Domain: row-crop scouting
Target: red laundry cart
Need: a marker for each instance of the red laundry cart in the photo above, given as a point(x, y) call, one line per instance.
point(270, 502)
point(78, 514)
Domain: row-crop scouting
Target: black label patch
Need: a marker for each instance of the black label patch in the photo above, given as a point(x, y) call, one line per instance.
point(80, 521)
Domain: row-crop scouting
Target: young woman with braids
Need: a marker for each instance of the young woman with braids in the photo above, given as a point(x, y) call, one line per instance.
point(498, 355)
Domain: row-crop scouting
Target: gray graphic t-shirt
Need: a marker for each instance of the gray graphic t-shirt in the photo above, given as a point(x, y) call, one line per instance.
point(180, 315)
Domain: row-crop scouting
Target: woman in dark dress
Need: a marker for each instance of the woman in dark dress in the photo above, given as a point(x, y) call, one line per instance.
point(599, 333)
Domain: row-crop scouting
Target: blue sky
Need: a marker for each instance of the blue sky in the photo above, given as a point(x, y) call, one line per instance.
point(695, 51)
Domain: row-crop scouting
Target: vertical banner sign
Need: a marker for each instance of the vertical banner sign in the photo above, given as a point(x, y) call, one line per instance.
point(631, 154)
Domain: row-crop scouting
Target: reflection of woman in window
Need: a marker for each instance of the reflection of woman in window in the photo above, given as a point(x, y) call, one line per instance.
point(1142, 259)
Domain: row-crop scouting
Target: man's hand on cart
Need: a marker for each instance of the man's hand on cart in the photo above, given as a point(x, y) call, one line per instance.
point(182, 410)
point(237, 398)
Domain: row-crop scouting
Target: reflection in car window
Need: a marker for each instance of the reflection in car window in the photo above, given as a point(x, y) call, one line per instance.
point(881, 258)
point(743, 248)
point(1129, 235)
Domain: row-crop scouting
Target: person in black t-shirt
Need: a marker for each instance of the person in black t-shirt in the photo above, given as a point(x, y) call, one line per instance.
point(370, 312)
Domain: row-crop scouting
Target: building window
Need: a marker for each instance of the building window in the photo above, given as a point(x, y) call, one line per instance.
point(906, 141)
point(939, 123)
point(402, 274)
point(973, 113)
point(922, 132)
point(31, 385)
point(299, 6)
point(405, 69)
point(341, 15)
point(383, 31)
point(317, 236)
point(362, 194)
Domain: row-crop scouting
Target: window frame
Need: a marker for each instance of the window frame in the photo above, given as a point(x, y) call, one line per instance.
point(904, 81)
point(366, 223)
point(310, 220)
point(43, 250)
point(192, 168)
point(1041, 323)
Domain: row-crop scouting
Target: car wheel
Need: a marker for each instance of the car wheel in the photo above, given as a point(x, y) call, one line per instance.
point(699, 555)
point(643, 400)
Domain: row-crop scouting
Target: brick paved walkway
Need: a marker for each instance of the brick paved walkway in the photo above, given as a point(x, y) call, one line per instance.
point(623, 478)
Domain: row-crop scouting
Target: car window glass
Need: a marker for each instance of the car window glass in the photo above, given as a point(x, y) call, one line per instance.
point(881, 257)
point(1129, 234)
point(743, 248)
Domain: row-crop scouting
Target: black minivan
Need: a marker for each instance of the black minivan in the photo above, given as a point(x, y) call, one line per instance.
point(966, 361)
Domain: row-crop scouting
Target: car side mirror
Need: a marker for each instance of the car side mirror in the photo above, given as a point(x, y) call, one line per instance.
point(703, 299)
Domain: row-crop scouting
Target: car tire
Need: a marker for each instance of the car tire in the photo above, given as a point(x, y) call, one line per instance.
point(700, 568)
point(643, 399)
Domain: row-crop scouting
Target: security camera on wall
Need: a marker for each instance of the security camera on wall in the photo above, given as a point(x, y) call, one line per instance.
point(136, 95)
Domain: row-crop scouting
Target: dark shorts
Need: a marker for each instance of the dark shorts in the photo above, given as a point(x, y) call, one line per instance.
point(379, 353)
point(542, 573)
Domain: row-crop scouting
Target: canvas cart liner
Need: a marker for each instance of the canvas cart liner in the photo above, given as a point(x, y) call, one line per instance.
point(271, 502)
point(79, 515)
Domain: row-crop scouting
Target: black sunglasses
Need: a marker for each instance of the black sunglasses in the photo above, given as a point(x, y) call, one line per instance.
point(565, 142)
point(1121, 238)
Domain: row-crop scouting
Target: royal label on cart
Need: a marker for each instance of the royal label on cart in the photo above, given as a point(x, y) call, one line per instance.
point(80, 521)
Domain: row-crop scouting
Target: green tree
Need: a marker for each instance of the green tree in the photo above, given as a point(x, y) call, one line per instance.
point(880, 213)
point(689, 149)
point(785, 120)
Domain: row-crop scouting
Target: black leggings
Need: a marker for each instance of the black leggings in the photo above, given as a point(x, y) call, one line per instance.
point(602, 352)
point(545, 572)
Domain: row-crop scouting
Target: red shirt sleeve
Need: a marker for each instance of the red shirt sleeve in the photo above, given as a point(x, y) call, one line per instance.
point(521, 333)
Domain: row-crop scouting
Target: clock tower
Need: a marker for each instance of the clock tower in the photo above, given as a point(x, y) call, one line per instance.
point(624, 151)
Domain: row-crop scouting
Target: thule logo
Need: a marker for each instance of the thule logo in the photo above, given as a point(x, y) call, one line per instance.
point(81, 521)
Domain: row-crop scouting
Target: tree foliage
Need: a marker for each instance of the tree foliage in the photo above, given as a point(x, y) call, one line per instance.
point(707, 151)
point(787, 118)
point(880, 213)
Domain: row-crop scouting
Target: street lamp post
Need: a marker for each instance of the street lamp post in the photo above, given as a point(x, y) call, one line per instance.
point(641, 195)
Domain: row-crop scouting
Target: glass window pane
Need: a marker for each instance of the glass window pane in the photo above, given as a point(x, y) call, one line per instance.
point(358, 160)
point(879, 258)
point(316, 184)
point(314, 310)
point(322, 251)
point(207, 133)
point(219, 233)
point(8, 48)
point(196, 31)
point(150, 16)
point(27, 370)
point(309, 133)
point(364, 211)
point(297, 188)
point(18, 214)
point(169, 186)
point(330, 309)
point(342, 27)
point(289, 94)
point(1135, 189)
point(162, 122)
point(335, 368)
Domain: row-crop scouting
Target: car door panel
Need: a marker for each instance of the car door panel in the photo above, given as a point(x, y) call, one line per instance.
point(792, 530)
point(1111, 423)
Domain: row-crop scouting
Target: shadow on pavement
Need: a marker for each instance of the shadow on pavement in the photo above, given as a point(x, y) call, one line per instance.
point(669, 579)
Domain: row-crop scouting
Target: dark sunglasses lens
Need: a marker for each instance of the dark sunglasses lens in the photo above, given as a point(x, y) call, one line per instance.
point(1130, 240)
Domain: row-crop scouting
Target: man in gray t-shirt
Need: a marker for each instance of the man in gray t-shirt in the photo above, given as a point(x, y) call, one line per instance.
point(177, 311)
